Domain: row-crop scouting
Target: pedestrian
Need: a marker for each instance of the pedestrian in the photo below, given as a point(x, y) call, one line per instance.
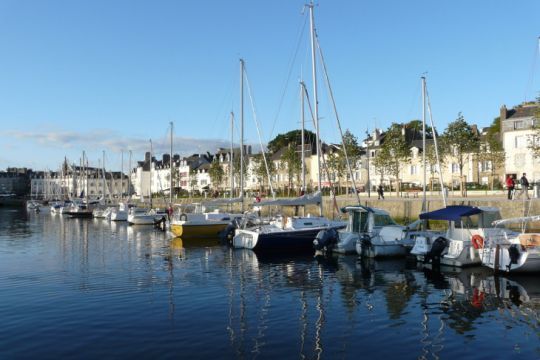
point(380, 192)
point(170, 212)
point(510, 185)
point(524, 186)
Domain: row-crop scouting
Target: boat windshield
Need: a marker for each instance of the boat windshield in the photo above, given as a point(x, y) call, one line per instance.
point(481, 220)
point(383, 220)
point(358, 221)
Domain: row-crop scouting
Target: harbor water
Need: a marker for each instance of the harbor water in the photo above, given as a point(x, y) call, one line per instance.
point(88, 288)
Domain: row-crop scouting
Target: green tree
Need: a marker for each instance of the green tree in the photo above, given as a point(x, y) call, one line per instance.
point(431, 161)
point(292, 137)
point(534, 140)
point(492, 150)
point(216, 174)
point(259, 170)
point(394, 153)
point(292, 164)
point(462, 142)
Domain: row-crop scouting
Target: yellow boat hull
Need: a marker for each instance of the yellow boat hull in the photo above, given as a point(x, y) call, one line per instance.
point(199, 231)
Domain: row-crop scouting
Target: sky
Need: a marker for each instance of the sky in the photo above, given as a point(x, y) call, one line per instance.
point(109, 76)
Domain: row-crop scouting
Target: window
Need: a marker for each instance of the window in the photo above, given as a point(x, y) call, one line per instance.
point(455, 168)
point(519, 125)
point(485, 166)
point(414, 170)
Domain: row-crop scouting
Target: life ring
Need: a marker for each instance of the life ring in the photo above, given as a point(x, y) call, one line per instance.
point(477, 241)
point(183, 217)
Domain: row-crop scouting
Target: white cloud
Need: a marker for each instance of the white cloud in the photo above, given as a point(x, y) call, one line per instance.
point(112, 141)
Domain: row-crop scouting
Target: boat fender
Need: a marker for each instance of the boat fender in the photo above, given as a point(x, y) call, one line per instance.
point(183, 217)
point(477, 241)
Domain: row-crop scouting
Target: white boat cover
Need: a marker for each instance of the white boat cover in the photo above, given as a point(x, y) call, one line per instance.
point(223, 201)
point(516, 220)
point(308, 199)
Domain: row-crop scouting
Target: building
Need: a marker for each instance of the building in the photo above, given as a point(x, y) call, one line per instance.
point(517, 132)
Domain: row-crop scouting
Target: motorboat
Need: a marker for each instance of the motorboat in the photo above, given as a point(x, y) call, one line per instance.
point(458, 246)
point(201, 221)
point(509, 251)
point(140, 216)
point(370, 232)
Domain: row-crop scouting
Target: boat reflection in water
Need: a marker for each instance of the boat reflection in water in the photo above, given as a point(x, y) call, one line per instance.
point(332, 302)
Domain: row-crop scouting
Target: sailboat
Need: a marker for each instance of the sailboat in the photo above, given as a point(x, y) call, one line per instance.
point(291, 234)
point(205, 220)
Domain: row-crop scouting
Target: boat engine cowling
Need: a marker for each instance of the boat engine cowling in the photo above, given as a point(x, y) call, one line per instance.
point(437, 249)
point(326, 239)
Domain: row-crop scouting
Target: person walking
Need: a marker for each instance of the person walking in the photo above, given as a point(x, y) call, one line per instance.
point(510, 185)
point(524, 186)
point(380, 192)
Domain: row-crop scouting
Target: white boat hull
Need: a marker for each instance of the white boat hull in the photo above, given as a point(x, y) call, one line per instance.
point(499, 259)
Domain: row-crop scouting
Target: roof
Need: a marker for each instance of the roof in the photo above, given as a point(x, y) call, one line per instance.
point(522, 111)
point(451, 213)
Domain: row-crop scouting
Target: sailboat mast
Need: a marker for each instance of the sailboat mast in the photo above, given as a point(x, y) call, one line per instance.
point(315, 96)
point(424, 198)
point(129, 177)
point(302, 92)
point(231, 157)
point(171, 174)
point(242, 135)
point(104, 180)
point(121, 176)
point(151, 173)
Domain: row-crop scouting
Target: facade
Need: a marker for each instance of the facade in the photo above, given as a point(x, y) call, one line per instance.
point(517, 133)
point(15, 182)
point(74, 181)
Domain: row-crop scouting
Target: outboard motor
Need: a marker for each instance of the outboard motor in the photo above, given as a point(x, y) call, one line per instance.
point(227, 234)
point(325, 239)
point(513, 253)
point(161, 224)
point(437, 249)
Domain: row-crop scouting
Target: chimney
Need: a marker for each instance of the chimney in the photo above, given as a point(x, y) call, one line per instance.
point(147, 156)
point(504, 113)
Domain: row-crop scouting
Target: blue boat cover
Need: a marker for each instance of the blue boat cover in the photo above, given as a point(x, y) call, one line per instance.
point(451, 213)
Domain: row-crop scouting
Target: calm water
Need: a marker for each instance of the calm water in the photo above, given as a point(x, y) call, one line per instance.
point(93, 289)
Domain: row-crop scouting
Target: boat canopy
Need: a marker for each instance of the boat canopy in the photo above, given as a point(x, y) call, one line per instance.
point(308, 199)
point(451, 213)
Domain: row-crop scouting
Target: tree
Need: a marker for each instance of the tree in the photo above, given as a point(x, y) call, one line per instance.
point(431, 160)
point(292, 165)
point(259, 170)
point(350, 142)
point(393, 154)
point(534, 140)
point(216, 173)
point(292, 137)
point(462, 142)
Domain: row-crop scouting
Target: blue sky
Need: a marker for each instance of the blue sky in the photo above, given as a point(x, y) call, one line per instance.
point(110, 75)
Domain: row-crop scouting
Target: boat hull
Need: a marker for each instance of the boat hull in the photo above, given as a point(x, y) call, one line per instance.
point(198, 231)
point(277, 241)
point(499, 259)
